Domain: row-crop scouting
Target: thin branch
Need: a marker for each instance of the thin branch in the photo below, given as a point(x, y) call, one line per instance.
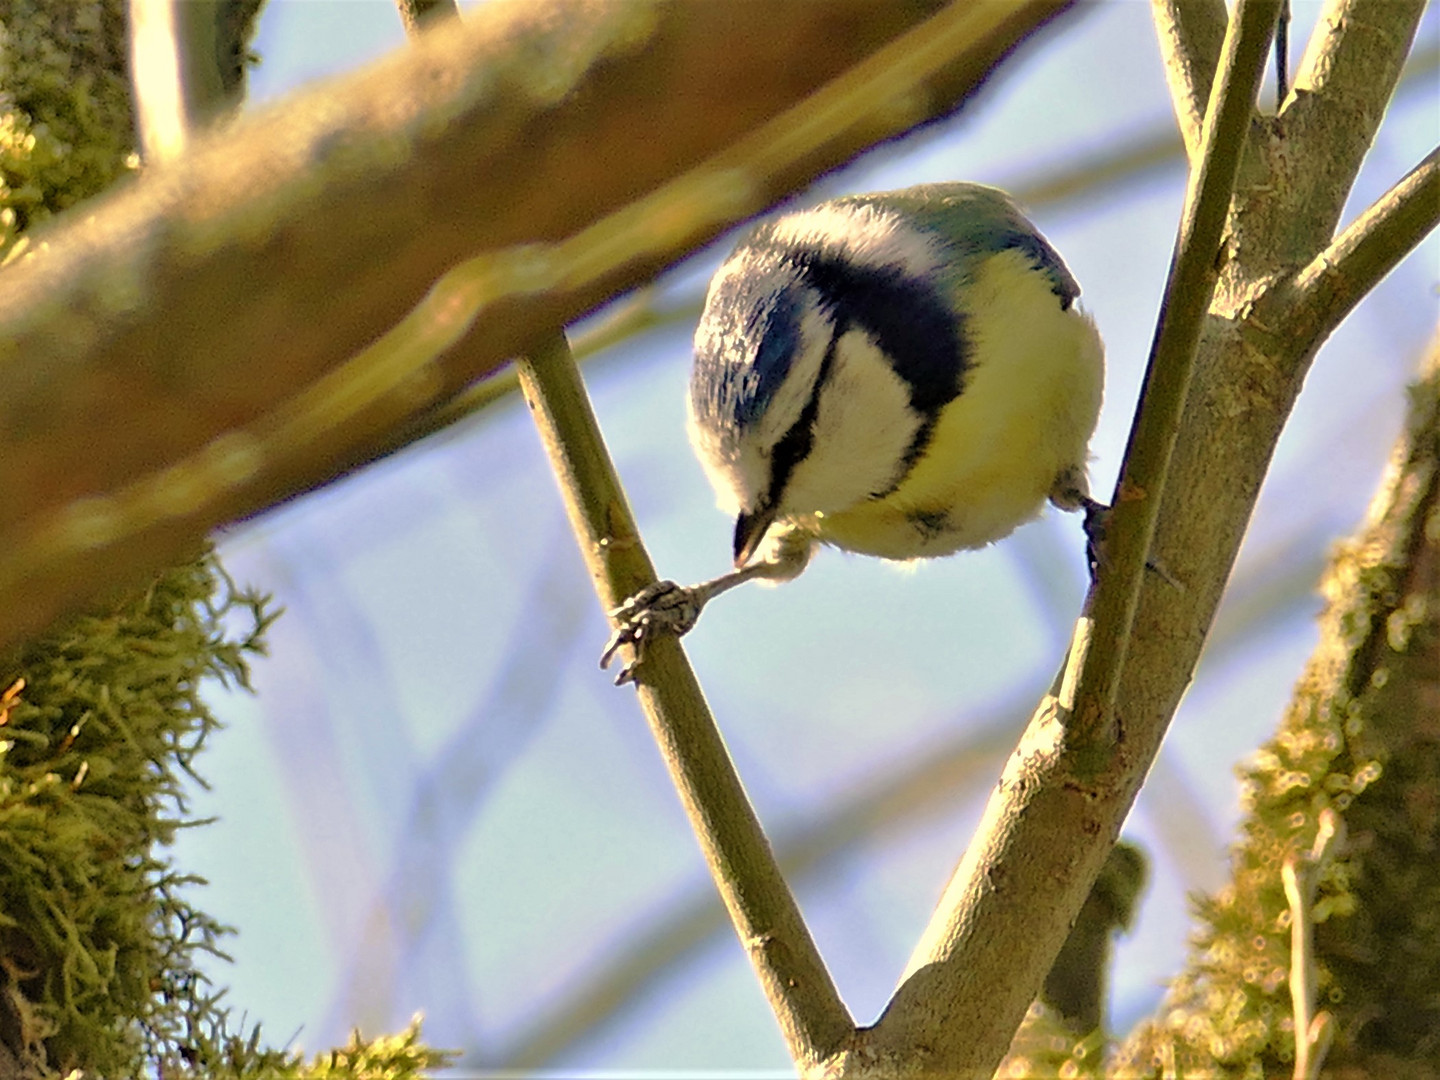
point(1191, 33)
point(238, 274)
point(1005, 912)
point(1319, 297)
point(812, 1017)
point(1346, 77)
point(1141, 484)
point(157, 58)
point(185, 68)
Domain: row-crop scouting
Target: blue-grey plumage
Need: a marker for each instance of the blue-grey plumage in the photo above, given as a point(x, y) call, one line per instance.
point(902, 374)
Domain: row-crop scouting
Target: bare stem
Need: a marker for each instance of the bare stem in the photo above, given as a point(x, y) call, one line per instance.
point(812, 1017)
point(1191, 33)
point(1299, 876)
point(1322, 294)
point(1141, 484)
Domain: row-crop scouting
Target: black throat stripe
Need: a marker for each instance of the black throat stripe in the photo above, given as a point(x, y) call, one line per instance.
point(921, 336)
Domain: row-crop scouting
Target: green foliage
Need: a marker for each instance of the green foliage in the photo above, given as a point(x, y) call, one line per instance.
point(65, 118)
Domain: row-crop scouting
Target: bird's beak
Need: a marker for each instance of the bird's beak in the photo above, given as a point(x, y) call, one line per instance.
point(749, 531)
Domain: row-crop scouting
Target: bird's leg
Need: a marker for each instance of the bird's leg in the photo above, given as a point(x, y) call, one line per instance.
point(668, 608)
point(1070, 493)
point(1097, 516)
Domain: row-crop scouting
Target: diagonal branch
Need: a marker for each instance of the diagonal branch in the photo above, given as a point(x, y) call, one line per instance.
point(196, 312)
point(1141, 484)
point(1318, 298)
point(812, 1017)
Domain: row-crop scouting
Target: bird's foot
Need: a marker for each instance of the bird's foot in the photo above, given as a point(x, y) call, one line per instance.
point(1097, 517)
point(661, 608)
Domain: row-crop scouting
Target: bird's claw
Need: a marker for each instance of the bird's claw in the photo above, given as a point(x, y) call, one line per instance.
point(661, 608)
point(1097, 517)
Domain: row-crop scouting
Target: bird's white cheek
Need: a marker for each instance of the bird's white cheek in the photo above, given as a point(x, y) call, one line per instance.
point(863, 428)
point(735, 469)
point(737, 457)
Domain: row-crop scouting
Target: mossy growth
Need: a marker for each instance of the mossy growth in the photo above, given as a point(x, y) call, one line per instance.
point(101, 724)
point(66, 129)
point(1047, 1047)
point(100, 720)
point(100, 948)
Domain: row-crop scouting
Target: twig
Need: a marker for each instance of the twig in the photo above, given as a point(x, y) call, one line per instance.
point(1320, 296)
point(1191, 33)
point(184, 69)
point(157, 59)
point(812, 1017)
point(1300, 874)
point(1141, 485)
point(1282, 56)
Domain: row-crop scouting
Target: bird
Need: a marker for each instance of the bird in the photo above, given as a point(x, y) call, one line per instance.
point(903, 374)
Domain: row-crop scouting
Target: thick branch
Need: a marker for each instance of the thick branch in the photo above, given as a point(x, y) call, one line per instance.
point(202, 297)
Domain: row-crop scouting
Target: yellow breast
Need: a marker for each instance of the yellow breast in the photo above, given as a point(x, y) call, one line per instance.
point(1025, 416)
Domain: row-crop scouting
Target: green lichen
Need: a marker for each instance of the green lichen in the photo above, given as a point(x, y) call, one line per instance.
point(65, 119)
point(101, 720)
point(102, 724)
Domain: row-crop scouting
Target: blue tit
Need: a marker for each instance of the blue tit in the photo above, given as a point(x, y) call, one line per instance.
point(902, 374)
